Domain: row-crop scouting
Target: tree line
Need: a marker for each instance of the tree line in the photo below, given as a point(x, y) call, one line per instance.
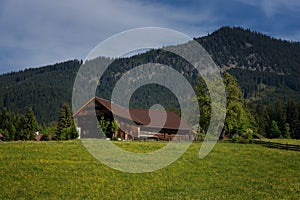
point(15, 126)
point(44, 89)
point(281, 119)
point(240, 123)
point(243, 120)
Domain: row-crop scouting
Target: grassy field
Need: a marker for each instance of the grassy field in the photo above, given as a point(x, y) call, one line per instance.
point(65, 170)
point(283, 141)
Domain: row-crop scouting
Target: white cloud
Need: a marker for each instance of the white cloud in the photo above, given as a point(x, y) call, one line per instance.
point(272, 7)
point(40, 32)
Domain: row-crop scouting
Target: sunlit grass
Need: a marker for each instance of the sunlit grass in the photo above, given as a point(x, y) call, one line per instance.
point(65, 170)
point(140, 147)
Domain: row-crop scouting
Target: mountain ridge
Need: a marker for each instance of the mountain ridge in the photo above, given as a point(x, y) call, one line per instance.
point(263, 66)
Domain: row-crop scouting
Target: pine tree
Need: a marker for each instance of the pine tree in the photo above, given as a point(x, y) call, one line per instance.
point(233, 90)
point(286, 133)
point(66, 128)
point(238, 117)
point(31, 125)
point(280, 116)
point(292, 117)
point(262, 118)
point(274, 131)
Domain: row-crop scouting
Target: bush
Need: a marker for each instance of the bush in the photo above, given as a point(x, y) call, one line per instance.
point(248, 134)
point(69, 133)
point(244, 141)
point(244, 138)
point(236, 139)
point(199, 136)
point(5, 135)
point(48, 137)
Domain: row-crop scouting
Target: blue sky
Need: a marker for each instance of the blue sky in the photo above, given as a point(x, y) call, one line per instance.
point(39, 32)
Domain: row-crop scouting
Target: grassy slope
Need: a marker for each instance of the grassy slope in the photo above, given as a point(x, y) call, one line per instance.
point(65, 170)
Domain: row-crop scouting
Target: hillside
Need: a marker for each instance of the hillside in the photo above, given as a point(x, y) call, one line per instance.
point(45, 89)
point(267, 69)
point(263, 66)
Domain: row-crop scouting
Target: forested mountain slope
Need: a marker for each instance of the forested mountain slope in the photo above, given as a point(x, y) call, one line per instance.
point(45, 89)
point(267, 69)
point(262, 65)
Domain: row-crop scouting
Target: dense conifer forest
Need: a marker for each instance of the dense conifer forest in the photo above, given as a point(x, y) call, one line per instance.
point(266, 69)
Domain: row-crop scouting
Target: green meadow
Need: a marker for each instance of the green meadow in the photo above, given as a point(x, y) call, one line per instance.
point(65, 170)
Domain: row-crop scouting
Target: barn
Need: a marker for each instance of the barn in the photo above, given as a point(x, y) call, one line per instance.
point(134, 123)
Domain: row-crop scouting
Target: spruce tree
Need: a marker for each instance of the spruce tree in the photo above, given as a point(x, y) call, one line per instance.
point(238, 117)
point(31, 125)
point(280, 116)
point(274, 131)
point(66, 128)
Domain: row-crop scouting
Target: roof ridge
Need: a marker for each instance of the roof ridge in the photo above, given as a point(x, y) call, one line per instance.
point(138, 115)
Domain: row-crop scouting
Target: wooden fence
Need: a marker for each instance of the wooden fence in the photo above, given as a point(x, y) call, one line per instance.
point(292, 147)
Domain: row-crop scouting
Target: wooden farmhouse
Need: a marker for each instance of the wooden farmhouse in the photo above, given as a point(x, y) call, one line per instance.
point(135, 124)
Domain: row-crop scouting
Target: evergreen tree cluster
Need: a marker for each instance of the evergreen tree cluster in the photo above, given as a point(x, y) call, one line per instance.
point(147, 95)
point(45, 89)
point(17, 126)
point(25, 127)
point(256, 61)
point(239, 122)
point(279, 120)
point(252, 50)
point(66, 128)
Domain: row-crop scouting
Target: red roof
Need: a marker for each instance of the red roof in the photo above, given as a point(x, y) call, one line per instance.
point(141, 116)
